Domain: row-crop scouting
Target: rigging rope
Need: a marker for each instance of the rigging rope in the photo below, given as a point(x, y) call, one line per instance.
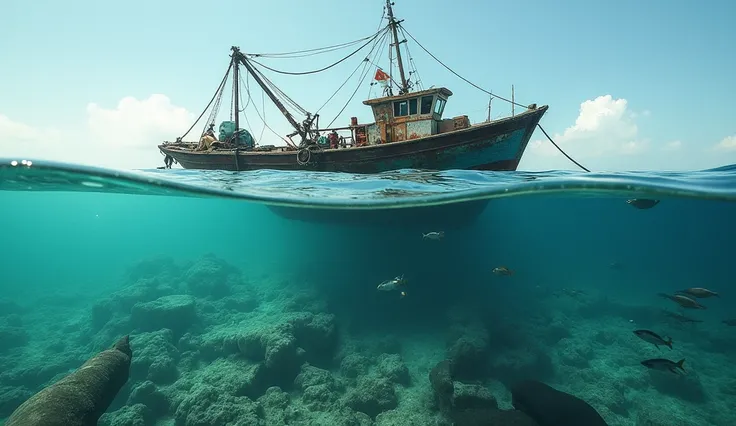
point(414, 70)
point(494, 95)
point(378, 54)
point(362, 78)
point(240, 94)
point(263, 107)
point(458, 75)
point(247, 89)
point(219, 90)
point(284, 97)
point(341, 86)
point(215, 109)
point(328, 66)
point(362, 63)
point(318, 50)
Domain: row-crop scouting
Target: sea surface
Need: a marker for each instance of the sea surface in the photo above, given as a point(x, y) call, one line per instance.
point(251, 298)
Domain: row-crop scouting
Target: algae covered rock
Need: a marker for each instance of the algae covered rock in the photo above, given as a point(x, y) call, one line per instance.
point(176, 312)
point(156, 357)
point(470, 396)
point(11, 398)
point(207, 405)
point(354, 365)
point(129, 415)
point(212, 277)
point(147, 394)
point(443, 387)
point(12, 337)
point(392, 367)
point(372, 396)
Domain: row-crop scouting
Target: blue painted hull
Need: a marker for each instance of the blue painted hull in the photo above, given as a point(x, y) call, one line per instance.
point(498, 145)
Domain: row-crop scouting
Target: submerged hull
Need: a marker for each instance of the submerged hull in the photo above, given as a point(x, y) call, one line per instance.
point(497, 145)
point(410, 219)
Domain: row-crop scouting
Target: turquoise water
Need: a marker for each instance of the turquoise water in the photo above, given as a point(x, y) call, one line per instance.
point(281, 270)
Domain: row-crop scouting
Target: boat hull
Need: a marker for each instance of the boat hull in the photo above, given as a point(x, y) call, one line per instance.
point(497, 145)
point(408, 219)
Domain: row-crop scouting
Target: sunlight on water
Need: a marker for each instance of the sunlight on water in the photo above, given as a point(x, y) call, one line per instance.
point(275, 298)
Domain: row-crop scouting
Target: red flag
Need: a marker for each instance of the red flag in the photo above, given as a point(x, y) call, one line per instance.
point(380, 75)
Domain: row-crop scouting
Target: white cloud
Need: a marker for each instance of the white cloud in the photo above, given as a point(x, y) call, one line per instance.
point(122, 137)
point(21, 139)
point(727, 144)
point(604, 127)
point(672, 146)
point(20, 133)
point(138, 123)
point(606, 137)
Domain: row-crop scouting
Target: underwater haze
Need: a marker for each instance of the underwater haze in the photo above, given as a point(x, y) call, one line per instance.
point(252, 298)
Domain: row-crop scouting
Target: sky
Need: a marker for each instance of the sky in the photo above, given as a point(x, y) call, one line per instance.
point(631, 85)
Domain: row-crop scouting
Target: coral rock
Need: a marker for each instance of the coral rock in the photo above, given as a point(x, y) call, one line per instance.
point(176, 313)
point(372, 396)
point(393, 368)
point(440, 377)
point(466, 397)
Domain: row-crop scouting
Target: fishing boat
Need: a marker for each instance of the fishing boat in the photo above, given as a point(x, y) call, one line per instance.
point(409, 130)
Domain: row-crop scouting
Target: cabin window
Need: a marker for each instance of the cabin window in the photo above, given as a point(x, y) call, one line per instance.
point(439, 107)
point(401, 108)
point(426, 104)
point(413, 106)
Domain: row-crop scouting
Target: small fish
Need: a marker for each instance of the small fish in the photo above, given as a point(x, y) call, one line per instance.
point(571, 292)
point(683, 301)
point(393, 284)
point(653, 338)
point(434, 235)
point(662, 364)
point(642, 203)
point(730, 322)
point(680, 317)
point(699, 292)
point(502, 270)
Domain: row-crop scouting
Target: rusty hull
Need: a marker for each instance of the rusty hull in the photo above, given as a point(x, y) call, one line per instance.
point(496, 145)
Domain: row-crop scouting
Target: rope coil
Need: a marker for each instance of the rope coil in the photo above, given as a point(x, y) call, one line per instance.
point(303, 159)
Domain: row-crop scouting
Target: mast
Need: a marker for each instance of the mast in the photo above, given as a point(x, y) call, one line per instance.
point(394, 24)
point(240, 58)
point(236, 93)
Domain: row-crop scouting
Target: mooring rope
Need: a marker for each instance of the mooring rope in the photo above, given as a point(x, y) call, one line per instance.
point(488, 92)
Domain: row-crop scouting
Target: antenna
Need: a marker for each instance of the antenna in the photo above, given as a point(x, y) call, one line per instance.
point(512, 100)
point(489, 107)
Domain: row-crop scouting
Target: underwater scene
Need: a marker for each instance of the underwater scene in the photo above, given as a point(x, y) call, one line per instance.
point(404, 298)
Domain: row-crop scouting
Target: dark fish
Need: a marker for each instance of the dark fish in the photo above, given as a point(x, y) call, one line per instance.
point(680, 317)
point(653, 338)
point(642, 203)
point(434, 235)
point(502, 270)
point(683, 301)
point(699, 292)
point(662, 364)
point(551, 407)
point(570, 292)
point(730, 322)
